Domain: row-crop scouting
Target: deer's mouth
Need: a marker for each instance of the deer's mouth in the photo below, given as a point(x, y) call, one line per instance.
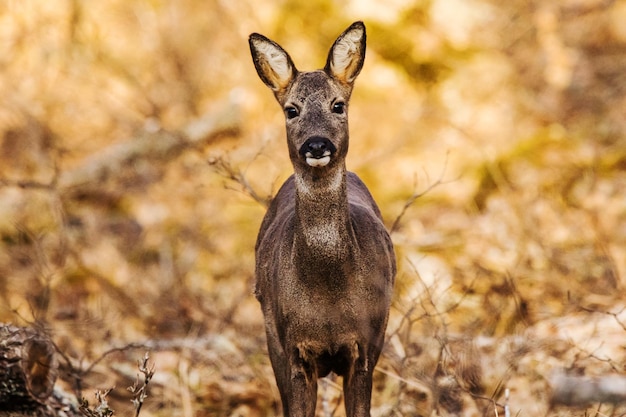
point(317, 151)
point(318, 162)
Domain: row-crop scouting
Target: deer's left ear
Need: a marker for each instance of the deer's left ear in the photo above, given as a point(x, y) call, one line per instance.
point(347, 54)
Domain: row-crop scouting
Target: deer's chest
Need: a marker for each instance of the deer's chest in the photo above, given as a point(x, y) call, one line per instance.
point(323, 237)
point(319, 320)
point(316, 305)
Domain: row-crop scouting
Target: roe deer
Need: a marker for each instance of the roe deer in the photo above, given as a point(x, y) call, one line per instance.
point(325, 264)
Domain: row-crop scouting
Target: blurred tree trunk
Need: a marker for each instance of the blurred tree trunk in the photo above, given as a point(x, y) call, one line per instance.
point(28, 372)
point(578, 391)
point(152, 145)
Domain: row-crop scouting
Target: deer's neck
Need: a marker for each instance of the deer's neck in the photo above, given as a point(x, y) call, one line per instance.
point(323, 223)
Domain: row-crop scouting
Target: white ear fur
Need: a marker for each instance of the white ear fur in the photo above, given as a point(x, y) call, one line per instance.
point(347, 54)
point(272, 63)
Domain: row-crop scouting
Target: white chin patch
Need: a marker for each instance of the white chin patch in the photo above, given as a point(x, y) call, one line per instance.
point(318, 162)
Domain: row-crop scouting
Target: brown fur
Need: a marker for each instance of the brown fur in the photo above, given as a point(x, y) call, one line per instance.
point(325, 264)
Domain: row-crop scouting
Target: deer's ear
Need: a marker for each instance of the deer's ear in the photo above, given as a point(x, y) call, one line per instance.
point(272, 63)
point(347, 54)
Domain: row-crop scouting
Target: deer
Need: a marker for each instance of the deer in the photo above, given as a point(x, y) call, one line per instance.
point(325, 264)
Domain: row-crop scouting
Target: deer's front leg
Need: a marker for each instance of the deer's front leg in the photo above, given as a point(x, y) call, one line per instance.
point(357, 386)
point(302, 396)
point(279, 364)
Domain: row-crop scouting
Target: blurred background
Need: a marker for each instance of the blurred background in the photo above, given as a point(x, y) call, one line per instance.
point(138, 149)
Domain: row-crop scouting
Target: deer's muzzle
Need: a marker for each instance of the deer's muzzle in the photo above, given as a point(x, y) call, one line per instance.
point(317, 151)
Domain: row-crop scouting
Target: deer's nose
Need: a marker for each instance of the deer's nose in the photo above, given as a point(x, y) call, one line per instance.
point(317, 147)
point(317, 151)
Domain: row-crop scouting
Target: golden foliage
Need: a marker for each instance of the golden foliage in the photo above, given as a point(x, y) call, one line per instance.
point(520, 105)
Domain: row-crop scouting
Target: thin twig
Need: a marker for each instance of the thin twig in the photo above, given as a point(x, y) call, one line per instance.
point(399, 378)
point(224, 168)
point(140, 393)
point(101, 410)
point(608, 313)
point(413, 198)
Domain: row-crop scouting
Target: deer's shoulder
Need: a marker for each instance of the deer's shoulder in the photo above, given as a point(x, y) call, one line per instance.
point(280, 210)
point(359, 196)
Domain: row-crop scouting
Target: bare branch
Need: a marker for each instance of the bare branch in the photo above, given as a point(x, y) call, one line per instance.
point(102, 409)
point(413, 198)
point(230, 173)
point(614, 315)
point(26, 184)
point(140, 392)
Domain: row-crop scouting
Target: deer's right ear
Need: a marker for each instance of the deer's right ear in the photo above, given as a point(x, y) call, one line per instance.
point(272, 63)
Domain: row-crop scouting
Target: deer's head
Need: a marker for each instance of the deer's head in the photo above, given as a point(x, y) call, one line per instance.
point(315, 102)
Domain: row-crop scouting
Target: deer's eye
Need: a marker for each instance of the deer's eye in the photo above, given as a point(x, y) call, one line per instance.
point(291, 112)
point(339, 107)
